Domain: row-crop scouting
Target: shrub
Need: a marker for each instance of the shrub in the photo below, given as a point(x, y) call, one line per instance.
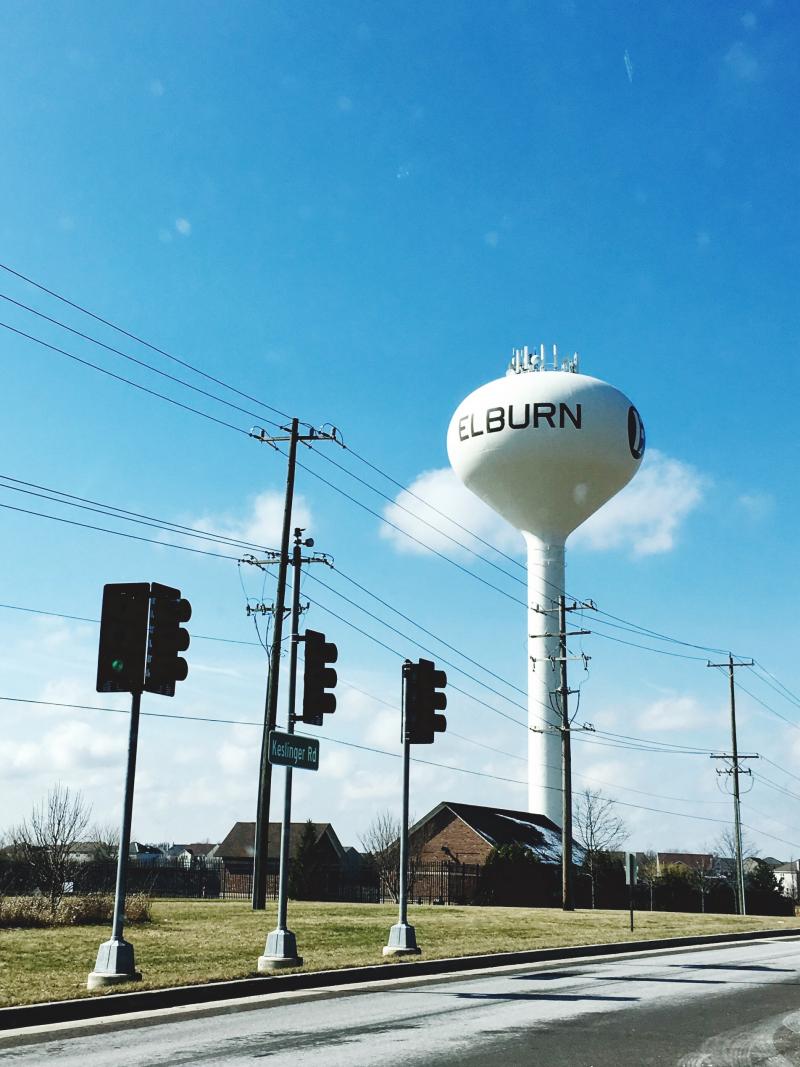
point(93, 909)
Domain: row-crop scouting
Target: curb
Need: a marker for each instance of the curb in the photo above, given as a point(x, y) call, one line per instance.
point(181, 996)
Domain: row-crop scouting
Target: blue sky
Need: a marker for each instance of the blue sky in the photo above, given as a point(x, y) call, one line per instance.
point(352, 214)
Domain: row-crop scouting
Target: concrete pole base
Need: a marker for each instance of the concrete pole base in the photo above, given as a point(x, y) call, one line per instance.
point(280, 952)
point(115, 964)
point(278, 963)
point(99, 979)
point(402, 941)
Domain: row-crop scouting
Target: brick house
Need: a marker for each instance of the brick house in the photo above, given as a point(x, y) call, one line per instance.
point(237, 849)
point(467, 833)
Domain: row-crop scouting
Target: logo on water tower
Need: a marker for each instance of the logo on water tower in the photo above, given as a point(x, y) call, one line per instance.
point(635, 433)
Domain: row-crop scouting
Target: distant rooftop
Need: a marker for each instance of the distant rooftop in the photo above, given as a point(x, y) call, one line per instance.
point(534, 359)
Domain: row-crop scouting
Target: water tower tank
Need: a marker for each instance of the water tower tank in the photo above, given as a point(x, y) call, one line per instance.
point(545, 447)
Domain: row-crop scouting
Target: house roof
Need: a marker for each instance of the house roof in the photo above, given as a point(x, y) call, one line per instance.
point(240, 840)
point(87, 848)
point(697, 861)
point(201, 848)
point(137, 848)
point(505, 826)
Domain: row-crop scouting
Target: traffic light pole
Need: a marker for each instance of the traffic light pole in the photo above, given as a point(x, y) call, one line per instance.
point(402, 936)
point(115, 958)
point(281, 948)
point(271, 707)
point(140, 638)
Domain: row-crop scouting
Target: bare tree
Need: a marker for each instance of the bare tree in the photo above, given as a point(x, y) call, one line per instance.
point(105, 837)
point(598, 829)
point(725, 846)
point(381, 842)
point(648, 872)
point(46, 840)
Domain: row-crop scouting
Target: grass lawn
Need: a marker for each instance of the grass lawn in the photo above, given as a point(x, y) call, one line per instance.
point(198, 941)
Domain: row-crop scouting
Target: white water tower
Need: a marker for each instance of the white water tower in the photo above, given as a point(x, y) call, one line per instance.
point(545, 447)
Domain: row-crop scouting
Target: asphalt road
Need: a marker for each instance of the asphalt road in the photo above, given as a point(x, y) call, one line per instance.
point(736, 1005)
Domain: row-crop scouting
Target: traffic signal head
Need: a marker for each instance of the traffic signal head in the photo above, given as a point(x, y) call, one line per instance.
point(166, 639)
point(318, 677)
point(123, 637)
point(422, 701)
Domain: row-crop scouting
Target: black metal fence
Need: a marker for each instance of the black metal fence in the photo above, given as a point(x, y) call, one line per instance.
point(437, 882)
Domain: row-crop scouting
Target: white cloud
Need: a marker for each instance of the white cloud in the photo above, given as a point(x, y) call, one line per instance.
point(756, 506)
point(445, 492)
point(184, 227)
point(647, 515)
point(675, 713)
point(70, 749)
point(236, 759)
point(741, 63)
point(644, 518)
point(262, 524)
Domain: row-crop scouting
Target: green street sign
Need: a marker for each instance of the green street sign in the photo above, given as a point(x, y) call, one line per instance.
point(292, 750)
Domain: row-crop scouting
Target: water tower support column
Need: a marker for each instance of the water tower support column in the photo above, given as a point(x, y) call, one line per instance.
point(545, 585)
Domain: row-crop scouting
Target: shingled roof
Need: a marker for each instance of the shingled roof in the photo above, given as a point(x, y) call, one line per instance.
point(504, 826)
point(240, 840)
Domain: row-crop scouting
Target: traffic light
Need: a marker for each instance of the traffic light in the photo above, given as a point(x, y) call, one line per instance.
point(166, 639)
point(318, 677)
point(422, 701)
point(123, 637)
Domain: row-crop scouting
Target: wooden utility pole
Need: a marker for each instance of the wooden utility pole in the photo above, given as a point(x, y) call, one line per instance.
point(734, 757)
point(273, 677)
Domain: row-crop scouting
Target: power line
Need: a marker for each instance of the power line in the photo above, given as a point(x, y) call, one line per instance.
point(614, 740)
point(436, 637)
point(351, 744)
point(405, 533)
point(419, 518)
point(431, 652)
point(163, 352)
point(648, 648)
point(140, 340)
point(133, 359)
point(250, 722)
point(783, 770)
point(401, 655)
point(96, 622)
point(71, 500)
point(119, 533)
point(422, 500)
point(644, 746)
point(783, 691)
point(122, 378)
